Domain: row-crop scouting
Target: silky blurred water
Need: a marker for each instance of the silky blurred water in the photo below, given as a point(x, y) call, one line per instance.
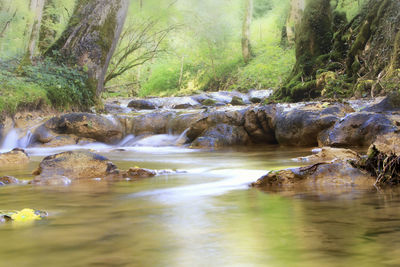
point(205, 215)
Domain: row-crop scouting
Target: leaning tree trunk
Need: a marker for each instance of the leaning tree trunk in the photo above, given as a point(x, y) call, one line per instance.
point(91, 37)
point(246, 46)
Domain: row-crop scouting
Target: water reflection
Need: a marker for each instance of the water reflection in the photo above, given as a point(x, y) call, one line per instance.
point(204, 217)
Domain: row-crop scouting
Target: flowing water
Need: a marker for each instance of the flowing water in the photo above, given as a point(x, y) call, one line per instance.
point(205, 215)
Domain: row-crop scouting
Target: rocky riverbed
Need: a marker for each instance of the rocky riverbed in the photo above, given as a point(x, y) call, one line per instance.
point(212, 121)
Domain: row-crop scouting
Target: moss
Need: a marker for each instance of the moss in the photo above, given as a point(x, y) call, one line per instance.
point(313, 44)
point(363, 88)
point(209, 102)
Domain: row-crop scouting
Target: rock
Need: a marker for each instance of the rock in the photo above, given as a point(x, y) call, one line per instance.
point(318, 175)
point(222, 135)
point(14, 158)
point(116, 109)
point(182, 106)
point(258, 96)
point(62, 140)
point(147, 124)
point(179, 123)
point(301, 126)
point(182, 102)
point(260, 124)
point(74, 165)
point(332, 154)
point(142, 104)
point(237, 101)
point(388, 144)
point(388, 104)
point(140, 173)
point(7, 180)
point(357, 129)
point(55, 180)
point(209, 102)
point(211, 119)
point(86, 125)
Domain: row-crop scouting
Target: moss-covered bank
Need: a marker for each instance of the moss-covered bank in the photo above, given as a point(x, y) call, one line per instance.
point(363, 54)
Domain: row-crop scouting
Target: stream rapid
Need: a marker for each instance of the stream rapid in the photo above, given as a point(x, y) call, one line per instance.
point(203, 215)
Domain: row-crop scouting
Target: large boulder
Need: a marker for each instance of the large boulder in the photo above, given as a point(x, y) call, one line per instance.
point(357, 129)
point(147, 124)
point(74, 165)
point(86, 125)
point(214, 118)
point(260, 124)
point(301, 126)
point(222, 135)
point(181, 122)
point(321, 175)
point(389, 103)
point(16, 157)
point(388, 144)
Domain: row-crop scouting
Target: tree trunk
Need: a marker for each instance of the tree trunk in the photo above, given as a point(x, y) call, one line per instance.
point(37, 8)
point(48, 34)
point(246, 47)
point(294, 18)
point(313, 39)
point(91, 37)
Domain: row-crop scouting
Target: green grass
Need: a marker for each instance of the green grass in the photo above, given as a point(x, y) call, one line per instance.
point(45, 84)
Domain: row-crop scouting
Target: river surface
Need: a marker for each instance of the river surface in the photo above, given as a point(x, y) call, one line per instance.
point(205, 215)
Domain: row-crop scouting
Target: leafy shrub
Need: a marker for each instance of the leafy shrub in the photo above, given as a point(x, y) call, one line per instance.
point(65, 86)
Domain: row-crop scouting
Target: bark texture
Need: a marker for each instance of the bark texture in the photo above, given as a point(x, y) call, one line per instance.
point(294, 18)
point(91, 37)
point(36, 7)
point(246, 46)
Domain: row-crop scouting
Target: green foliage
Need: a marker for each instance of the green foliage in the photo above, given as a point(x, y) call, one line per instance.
point(44, 84)
point(269, 68)
point(261, 8)
point(66, 87)
point(15, 36)
point(16, 93)
point(162, 81)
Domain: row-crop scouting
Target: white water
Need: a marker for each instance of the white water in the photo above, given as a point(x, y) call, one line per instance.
point(13, 140)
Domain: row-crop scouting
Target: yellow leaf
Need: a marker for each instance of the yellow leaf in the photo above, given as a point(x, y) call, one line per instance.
point(25, 215)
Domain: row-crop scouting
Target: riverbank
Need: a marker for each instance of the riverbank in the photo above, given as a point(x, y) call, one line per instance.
point(213, 121)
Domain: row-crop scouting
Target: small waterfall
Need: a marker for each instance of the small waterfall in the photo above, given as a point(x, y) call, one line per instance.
point(12, 140)
point(25, 141)
point(128, 141)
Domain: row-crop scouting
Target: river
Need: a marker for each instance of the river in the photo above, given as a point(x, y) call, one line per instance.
point(204, 215)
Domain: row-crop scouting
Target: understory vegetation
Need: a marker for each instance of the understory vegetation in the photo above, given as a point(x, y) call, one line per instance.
point(44, 84)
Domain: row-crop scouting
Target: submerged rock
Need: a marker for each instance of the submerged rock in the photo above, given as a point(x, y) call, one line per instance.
point(331, 154)
point(8, 180)
point(139, 173)
point(74, 165)
point(318, 175)
point(15, 157)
